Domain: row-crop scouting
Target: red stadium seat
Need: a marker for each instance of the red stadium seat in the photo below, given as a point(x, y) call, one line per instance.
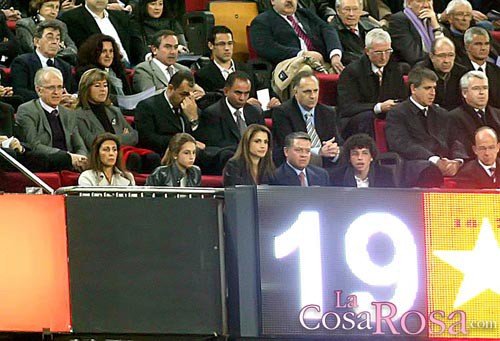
point(196, 5)
point(11, 24)
point(130, 119)
point(269, 123)
point(495, 35)
point(129, 73)
point(328, 88)
point(380, 135)
point(14, 182)
point(69, 178)
point(140, 179)
point(7, 77)
point(252, 54)
point(212, 181)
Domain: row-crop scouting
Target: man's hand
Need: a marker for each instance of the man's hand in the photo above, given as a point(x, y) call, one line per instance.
point(387, 105)
point(16, 145)
point(330, 149)
point(78, 161)
point(198, 92)
point(189, 107)
point(428, 13)
point(337, 65)
point(6, 91)
point(478, 16)
point(448, 167)
point(12, 14)
point(254, 101)
point(68, 100)
point(200, 145)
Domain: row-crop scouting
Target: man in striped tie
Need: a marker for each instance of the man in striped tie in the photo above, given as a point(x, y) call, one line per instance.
point(304, 113)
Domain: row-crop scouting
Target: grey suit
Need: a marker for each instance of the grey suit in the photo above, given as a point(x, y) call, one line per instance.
point(148, 74)
point(89, 126)
point(25, 31)
point(37, 133)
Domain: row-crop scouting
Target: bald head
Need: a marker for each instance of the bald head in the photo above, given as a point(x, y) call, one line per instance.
point(486, 145)
point(443, 55)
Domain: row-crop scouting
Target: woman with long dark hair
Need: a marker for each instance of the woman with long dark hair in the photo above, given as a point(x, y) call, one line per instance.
point(252, 164)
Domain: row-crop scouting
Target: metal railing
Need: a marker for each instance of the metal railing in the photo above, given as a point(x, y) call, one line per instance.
point(143, 192)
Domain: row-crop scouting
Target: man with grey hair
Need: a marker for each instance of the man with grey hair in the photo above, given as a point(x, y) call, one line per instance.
point(475, 112)
point(48, 127)
point(459, 14)
point(477, 44)
point(352, 28)
point(24, 67)
point(441, 60)
point(370, 86)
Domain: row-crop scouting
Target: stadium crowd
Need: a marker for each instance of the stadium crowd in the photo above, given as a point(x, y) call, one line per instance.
point(426, 73)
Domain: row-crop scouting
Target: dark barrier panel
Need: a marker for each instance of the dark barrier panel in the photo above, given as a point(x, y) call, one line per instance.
point(144, 265)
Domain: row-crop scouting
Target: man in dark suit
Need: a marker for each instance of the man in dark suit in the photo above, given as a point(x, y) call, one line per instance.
point(24, 67)
point(286, 32)
point(352, 29)
point(304, 113)
point(442, 61)
point(49, 128)
point(482, 172)
point(319, 7)
point(370, 86)
point(475, 112)
point(296, 170)
point(413, 30)
point(173, 111)
point(212, 77)
point(477, 44)
point(92, 18)
point(418, 131)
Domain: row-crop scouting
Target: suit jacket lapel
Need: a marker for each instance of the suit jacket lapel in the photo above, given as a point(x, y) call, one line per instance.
point(45, 121)
point(228, 120)
point(64, 116)
point(158, 73)
point(217, 73)
point(291, 176)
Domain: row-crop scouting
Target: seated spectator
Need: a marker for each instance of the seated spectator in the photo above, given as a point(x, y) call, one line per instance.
point(252, 164)
point(370, 86)
point(225, 121)
point(319, 7)
point(459, 15)
point(151, 16)
point(212, 77)
point(100, 51)
point(178, 168)
point(105, 166)
point(92, 18)
point(304, 113)
point(158, 71)
point(26, 28)
point(358, 168)
point(50, 128)
point(483, 172)
point(9, 46)
point(24, 67)
point(413, 30)
point(479, 12)
point(352, 29)
point(442, 61)
point(296, 170)
point(96, 115)
point(286, 32)
point(475, 112)
point(477, 44)
point(419, 131)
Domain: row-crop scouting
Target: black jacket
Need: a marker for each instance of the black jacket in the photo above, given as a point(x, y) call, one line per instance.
point(170, 176)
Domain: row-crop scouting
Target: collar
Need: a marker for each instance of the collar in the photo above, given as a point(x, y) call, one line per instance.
point(47, 107)
point(230, 70)
point(106, 14)
point(162, 66)
point(42, 58)
point(285, 17)
point(303, 111)
point(297, 171)
point(418, 105)
point(487, 168)
point(40, 18)
point(232, 109)
point(362, 183)
point(456, 32)
point(376, 68)
point(168, 101)
point(476, 110)
point(476, 65)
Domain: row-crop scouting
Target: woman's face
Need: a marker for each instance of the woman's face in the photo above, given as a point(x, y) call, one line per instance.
point(108, 153)
point(187, 156)
point(49, 10)
point(99, 91)
point(107, 54)
point(259, 144)
point(155, 9)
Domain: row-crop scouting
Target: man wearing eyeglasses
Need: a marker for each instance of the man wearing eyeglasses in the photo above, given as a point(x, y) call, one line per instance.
point(370, 86)
point(47, 38)
point(48, 127)
point(475, 111)
point(483, 172)
point(441, 60)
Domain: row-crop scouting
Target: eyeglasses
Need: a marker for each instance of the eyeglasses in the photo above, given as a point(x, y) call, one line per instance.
point(53, 88)
point(381, 53)
point(51, 37)
point(462, 15)
point(350, 9)
point(224, 44)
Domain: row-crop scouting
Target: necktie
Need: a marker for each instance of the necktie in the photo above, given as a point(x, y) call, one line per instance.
point(424, 112)
point(50, 62)
point(482, 117)
point(492, 174)
point(302, 178)
point(311, 131)
point(177, 113)
point(240, 122)
point(54, 113)
point(380, 76)
point(355, 31)
point(480, 69)
point(170, 71)
point(300, 32)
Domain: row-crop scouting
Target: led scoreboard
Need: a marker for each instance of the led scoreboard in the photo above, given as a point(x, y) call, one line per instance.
point(348, 262)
